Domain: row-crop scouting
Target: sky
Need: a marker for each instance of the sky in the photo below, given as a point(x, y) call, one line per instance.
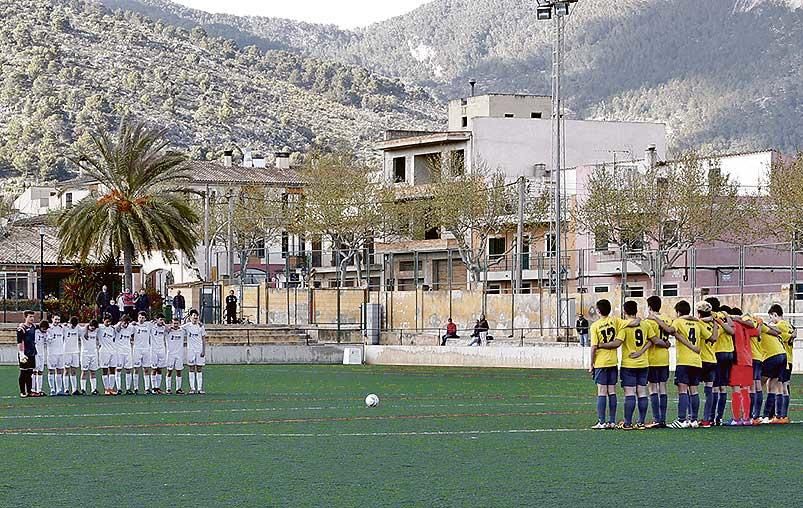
point(344, 13)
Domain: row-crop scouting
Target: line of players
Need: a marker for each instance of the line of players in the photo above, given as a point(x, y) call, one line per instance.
point(719, 348)
point(142, 347)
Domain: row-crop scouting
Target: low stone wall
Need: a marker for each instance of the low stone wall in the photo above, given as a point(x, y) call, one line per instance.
point(254, 354)
point(554, 356)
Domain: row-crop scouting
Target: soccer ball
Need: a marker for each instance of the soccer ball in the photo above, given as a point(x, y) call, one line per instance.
point(371, 400)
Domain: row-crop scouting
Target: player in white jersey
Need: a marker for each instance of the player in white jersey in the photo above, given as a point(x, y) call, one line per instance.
point(55, 357)
point(142, 352)
point(196, 352)
point(39, 367)
point(125, 339)
point(175, 354)
point(158, 353)
point(89, 357)
point(107, 350)
point(72, 355)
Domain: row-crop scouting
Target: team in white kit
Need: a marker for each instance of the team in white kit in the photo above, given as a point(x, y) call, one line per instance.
point(147, 348)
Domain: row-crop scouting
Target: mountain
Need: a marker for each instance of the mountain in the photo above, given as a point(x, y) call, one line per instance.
point(69, 66)
point(724, 74)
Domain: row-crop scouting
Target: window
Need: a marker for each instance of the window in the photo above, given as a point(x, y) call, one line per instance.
point(399, 169)
point(68, 200)
point(496, 248)
point(714, 176)
point(634, 291)
point(44, 202)
point(798, 291)
point(633, 241)
point(494, 289)
point(464, 121)
point(601, 289)
point(457, 162)
point(432, 234)
point(406, 266)
point(670, 290)
point(550, 245)
point(601, 240)
point(535, 115)
point(509, 115)
point(13, 286)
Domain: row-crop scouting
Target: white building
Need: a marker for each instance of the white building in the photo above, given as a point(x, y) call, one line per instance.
point(36, 200)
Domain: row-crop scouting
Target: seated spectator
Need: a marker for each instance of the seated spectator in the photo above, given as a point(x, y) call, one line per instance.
point(451, 332)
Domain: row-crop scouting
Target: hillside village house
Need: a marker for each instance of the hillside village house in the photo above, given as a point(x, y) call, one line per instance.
point(511, 133)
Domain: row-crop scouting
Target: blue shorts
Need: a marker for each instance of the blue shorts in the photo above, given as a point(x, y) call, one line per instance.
point(787, 374)
point(724, 364)
point(658, 374)
point(709, 372)
point(634, 376)
point(606, 375)
point(774, 366)
point(757, 368)
point(688, 375)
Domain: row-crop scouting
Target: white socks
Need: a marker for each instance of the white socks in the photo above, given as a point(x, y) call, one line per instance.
point(118, 380)
point(167, 381)
point(178, 382)
point(129, 381)
point(147, 379)
point(192, 380)
point(59, 383)
point(93, 381)
point(199, 380)
point(74, 381)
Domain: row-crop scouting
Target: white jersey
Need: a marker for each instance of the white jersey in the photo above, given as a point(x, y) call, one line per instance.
point(142, 336)
point(124, 336)
point(107, 336)
point(89, 342)
point(72, 337)
point(40, 340)
point(158, 338)
point(175, 341)
point(195, 335)
point(55, 340)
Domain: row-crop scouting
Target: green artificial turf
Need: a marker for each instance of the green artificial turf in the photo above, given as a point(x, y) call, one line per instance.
point(301, 436)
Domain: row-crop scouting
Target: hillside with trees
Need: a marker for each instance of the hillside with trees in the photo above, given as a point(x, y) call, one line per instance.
point(71, 66)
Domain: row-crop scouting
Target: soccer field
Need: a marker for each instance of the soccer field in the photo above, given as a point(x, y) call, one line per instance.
point(302, 436)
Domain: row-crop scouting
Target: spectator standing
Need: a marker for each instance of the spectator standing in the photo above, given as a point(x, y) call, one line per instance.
point(451, 332)
point(113, 310)
point(102, 300)
point(179, 304)
point(142, 303)
point(582, 330)
point(231, 308)
point(126, 299)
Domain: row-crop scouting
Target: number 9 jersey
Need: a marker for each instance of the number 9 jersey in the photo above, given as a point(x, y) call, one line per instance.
point(633, 339)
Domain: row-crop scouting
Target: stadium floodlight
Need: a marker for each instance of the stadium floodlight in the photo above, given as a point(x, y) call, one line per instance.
point(561, 8)
point(543, 13)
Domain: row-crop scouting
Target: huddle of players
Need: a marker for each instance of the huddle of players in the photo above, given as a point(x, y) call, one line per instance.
point(719, 347)
point(146, 347)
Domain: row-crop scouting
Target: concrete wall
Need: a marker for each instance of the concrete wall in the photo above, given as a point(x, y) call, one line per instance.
point(541, 357)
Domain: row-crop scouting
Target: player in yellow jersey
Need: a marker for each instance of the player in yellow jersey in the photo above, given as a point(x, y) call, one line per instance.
point(635, 341)
point(658, 356)
point(689, 332)
point(724, 354)
point(789, 344)
point(776, 411)
point(604, 360)
point(709, 361)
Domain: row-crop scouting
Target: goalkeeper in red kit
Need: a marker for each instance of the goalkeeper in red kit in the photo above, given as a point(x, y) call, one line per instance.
point(741, 378)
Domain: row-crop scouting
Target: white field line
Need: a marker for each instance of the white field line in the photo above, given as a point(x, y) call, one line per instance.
point(269, 409)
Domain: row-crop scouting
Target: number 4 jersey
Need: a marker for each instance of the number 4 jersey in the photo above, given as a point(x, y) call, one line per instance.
point(695, 332)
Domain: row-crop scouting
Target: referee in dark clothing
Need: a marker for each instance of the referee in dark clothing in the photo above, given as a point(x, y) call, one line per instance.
point(26, 343)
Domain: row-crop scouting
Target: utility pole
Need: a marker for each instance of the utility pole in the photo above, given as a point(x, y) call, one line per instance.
point(545, 11)
point(207, 268)
point(522, 188)
point(230, 250)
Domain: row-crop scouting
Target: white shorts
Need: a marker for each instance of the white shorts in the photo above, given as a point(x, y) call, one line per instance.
point(142, 358)
point(124, 361)
point(194, 358)
point(175, 361)
point(55, 361)
point(89, 362)
point(158, 359)
point(108, 360)
point(40, 363)
point(72, 360)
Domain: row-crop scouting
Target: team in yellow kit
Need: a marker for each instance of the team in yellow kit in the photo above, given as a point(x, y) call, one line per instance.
point(705, 354)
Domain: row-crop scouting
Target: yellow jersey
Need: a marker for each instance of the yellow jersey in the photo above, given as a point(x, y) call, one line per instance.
point(659, 356)
point(694, 331)
point(787, 338)
point(724, 342)
point(633, 339)
point(706, 347)
point(771, 345)
point(755, 341)
point(602, 331)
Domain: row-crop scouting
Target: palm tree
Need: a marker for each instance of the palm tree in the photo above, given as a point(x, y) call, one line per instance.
point(141, 206)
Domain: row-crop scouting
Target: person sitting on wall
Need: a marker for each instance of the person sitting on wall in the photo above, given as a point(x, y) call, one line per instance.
point(480, 332)
point(451, 332)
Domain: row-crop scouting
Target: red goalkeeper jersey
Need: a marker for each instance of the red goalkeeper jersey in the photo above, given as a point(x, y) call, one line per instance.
point(741, 343)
